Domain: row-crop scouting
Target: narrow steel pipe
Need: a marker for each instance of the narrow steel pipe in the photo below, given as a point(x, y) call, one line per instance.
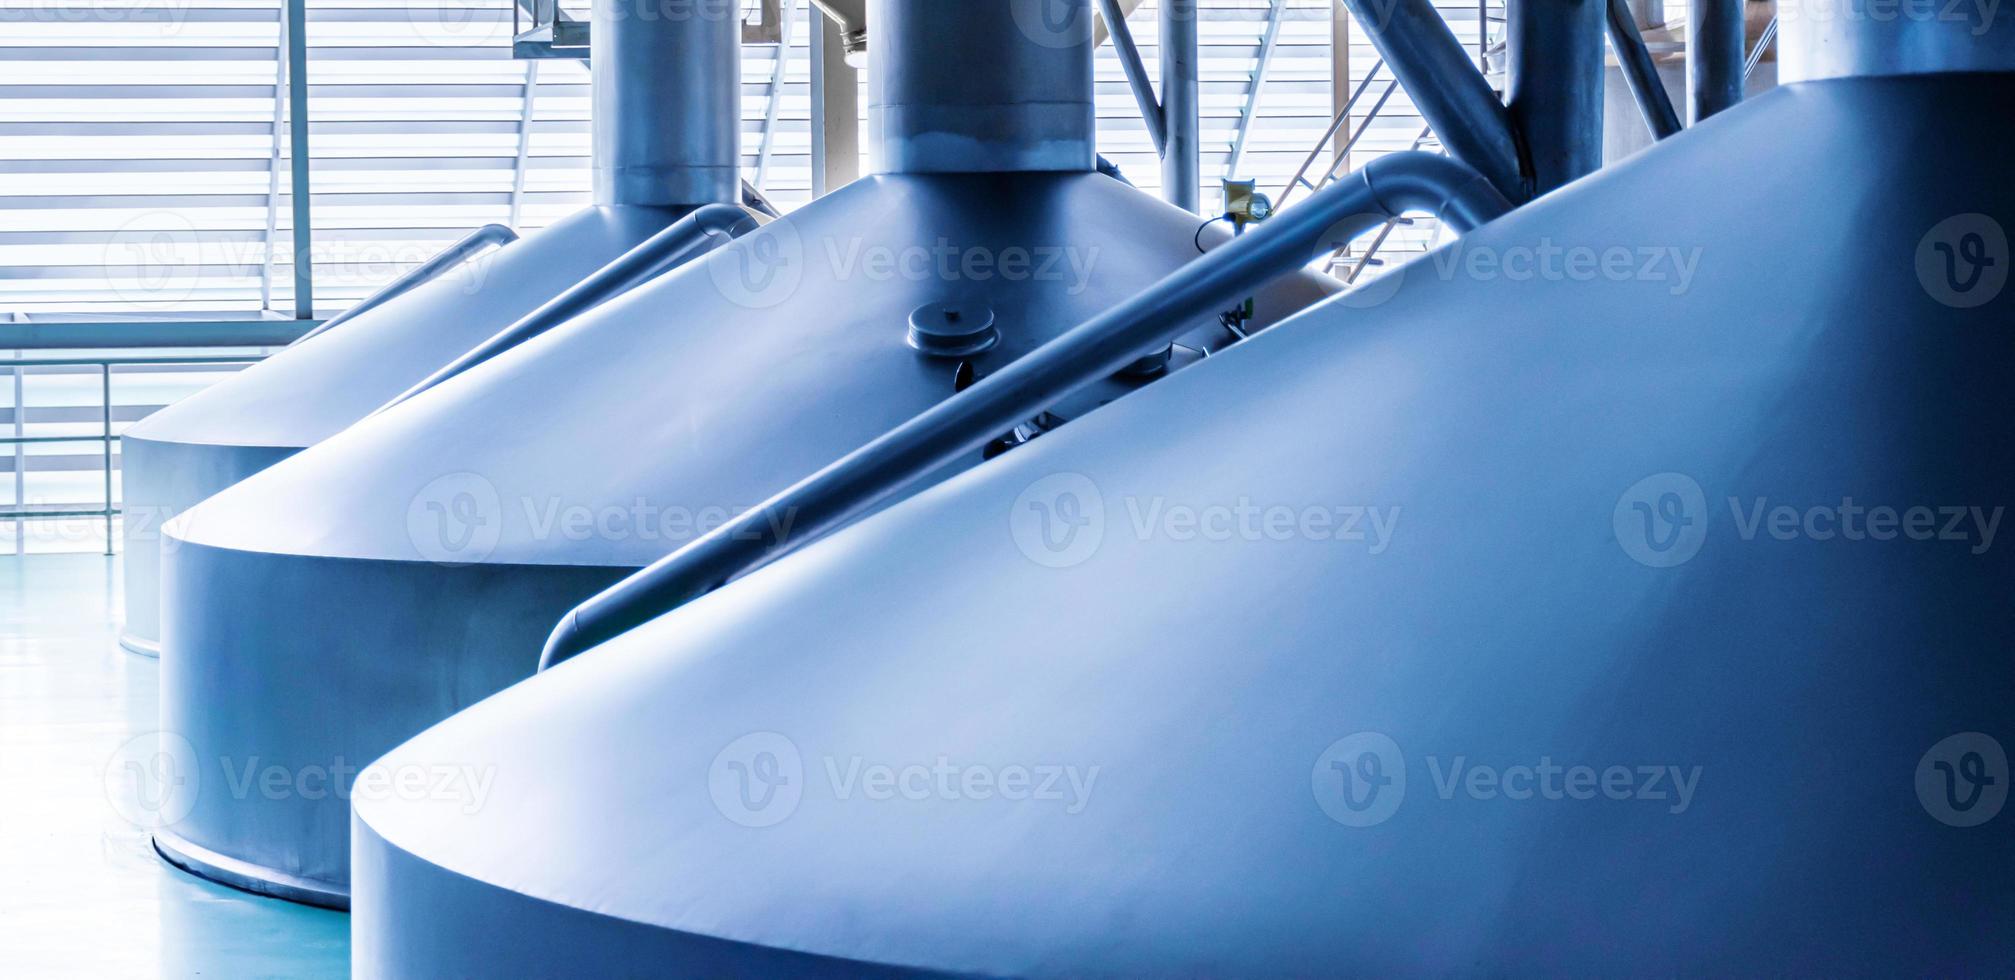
point(1640, 72)
point(1756, 53)
point(1136, 73)
point(1448, 90)
point(694, 235)
point(299, 157)
point(1715, 55)
point(865, 478)
point(461, 251)
point(1554, 49)
point(1182, 152)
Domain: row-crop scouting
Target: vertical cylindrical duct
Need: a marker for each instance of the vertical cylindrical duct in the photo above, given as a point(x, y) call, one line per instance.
point(1181, 159)
point(667, 106)
point(1840, 38)
point(1556, 73)
point(980, 86)
point(1715, 53)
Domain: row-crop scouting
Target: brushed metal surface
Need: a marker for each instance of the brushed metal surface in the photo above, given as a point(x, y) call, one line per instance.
point(347, 598)
point(683, 793)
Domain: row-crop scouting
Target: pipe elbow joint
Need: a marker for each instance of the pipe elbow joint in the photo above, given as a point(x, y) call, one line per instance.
point(1449, 189)
point(567, 641)
point(726, 220)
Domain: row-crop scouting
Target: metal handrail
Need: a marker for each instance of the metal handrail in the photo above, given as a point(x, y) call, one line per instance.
point(1335, 125)
point(707, 228)
point(422, 274)
point(1762, 45)
point(104, 435)
point(1024, 388)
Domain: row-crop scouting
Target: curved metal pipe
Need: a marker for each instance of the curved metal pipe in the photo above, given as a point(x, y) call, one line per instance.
point(1640, 72)
point(420, 275)
point(1360, 202)
point(707, 228)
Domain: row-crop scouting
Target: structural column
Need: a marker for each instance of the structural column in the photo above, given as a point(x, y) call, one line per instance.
point(1714, 56)
point(836, 110)
point(1181, 160)
point(1556, 81)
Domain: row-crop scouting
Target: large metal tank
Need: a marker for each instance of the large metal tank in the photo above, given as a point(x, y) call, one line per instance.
point(1620, 595)
point(666, 141)
point(336, 604)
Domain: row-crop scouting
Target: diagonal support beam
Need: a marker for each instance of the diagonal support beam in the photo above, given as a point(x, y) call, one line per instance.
point(1267, 42)
point(1445, 86)
point(1136, 74)
point(1640, 72)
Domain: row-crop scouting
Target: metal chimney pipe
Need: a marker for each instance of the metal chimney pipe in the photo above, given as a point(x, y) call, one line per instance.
point(1841, 38)
point(1556, 77)
point(1181, 158)
point(667, 121)
point(1715, 55)
point(980, 86)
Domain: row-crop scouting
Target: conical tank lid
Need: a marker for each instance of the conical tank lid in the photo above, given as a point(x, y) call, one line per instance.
point(1615, 590)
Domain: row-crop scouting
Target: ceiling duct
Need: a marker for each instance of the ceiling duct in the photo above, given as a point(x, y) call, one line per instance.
point(338, 603)
point(666, 117)
point(1635, 611)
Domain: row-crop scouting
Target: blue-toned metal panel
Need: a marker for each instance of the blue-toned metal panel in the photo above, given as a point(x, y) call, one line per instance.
point(1515, 666)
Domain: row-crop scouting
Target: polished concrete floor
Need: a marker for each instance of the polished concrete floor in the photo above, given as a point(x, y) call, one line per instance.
point(82, 893)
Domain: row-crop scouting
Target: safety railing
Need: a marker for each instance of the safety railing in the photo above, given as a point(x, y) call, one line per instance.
point(105, 437)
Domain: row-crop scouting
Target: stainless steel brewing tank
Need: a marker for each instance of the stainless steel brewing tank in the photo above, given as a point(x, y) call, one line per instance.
point(1514, 666)
point(334, 605)
point(181, 455)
